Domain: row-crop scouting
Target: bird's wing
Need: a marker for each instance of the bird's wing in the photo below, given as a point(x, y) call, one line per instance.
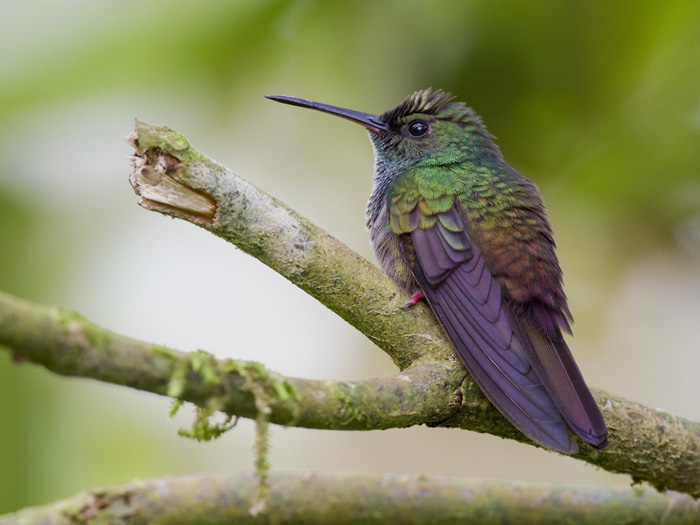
point(495, 346)
point(521, 257)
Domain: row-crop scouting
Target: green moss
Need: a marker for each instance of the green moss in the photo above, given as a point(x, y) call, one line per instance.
point(262, 465)
point(175, 407)
point(207, 366)
point(280, 388)
point(349, 401)
point(176, 385)
point(163, 351)
point(77, 328)
point(205, 427)
point(163, 138)
point(266, 387)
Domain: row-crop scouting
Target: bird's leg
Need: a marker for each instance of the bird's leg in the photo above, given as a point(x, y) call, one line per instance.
point(417, 296)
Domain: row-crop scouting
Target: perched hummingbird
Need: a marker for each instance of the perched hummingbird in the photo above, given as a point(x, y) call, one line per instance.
point(451, 222)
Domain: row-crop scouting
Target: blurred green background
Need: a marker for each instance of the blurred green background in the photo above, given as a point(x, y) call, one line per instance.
point(597, 102)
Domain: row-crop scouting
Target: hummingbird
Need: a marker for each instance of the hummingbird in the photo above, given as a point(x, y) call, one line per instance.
point(451, 222)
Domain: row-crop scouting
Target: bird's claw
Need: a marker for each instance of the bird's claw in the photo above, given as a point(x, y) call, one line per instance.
point(414, 299)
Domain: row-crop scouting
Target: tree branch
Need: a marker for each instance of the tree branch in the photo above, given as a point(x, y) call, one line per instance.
point(648, 444)
point(68, 344)
point(365, 498)
point(174, 179)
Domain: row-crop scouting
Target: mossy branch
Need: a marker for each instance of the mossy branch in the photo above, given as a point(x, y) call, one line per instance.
point(68, 344)
point(433, 388)
point(648, 444)
point(366, 498)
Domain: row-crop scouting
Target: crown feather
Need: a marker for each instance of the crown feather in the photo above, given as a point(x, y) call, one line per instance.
point(426, 101)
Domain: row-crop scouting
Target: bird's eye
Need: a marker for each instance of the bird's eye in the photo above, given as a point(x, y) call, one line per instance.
point(418, 128)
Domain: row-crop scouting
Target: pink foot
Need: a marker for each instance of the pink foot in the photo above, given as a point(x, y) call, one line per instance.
point(414, 299)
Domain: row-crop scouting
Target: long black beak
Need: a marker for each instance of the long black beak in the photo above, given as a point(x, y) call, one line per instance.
point(369, 121)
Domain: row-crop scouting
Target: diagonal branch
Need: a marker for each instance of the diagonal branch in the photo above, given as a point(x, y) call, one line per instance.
point(173, 178)
point(364, 498)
